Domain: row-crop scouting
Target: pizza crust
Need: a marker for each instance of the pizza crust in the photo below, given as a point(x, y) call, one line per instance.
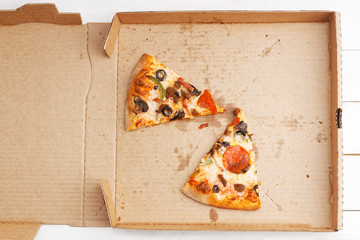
point(144, 63)
point(211, 199)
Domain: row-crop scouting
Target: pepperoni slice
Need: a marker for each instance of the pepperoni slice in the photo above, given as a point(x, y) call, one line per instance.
point(235, 159)
point(206, 101)
point(235, 122)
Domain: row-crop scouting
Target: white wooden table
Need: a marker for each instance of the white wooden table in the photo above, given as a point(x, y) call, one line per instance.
point(103, 11)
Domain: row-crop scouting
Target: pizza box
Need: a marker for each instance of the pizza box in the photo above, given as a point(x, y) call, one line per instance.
point(62, 118)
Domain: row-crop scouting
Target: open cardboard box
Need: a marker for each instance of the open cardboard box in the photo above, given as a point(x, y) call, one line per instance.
point(62, 118)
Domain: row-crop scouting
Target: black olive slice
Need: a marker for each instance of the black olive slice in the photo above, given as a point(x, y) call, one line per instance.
point(216, 189)
point(166, 110)
point(179, 114)
point(245, 169)
point(160, 75)
point(255, 189)
point(225, 144)
point(194, 92)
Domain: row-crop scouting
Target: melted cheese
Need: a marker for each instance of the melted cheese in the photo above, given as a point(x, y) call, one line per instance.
point(171, 77)
point(215, 166)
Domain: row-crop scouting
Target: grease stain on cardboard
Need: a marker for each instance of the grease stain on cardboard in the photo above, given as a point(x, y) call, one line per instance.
point(185, 160)
point(267, 50)
point(213, 215)
point(320, 138)
point(280, 145)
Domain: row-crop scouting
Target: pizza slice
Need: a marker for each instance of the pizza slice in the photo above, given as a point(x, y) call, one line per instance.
point(226, 176)
point(157, 95)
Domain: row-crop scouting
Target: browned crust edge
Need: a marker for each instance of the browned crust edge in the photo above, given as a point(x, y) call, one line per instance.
point(144, 63)
point(211, 199)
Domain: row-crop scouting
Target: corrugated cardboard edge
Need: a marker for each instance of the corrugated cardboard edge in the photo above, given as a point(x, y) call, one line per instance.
point(336, 131)
point(19, 231)
point(224, 227)
point(41, 13)
point(203, 17)
point(108, 197)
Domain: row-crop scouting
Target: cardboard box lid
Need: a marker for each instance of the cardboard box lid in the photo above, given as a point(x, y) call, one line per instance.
point(178, 39)
point(58, 98)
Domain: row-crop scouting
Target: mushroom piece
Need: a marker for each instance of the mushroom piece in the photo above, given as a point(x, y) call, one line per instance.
point(242, 128)
point(239, 187)
point(140, 106)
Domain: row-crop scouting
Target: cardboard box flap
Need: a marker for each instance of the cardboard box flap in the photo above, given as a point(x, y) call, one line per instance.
point(58, 123)
point(112, 36)
point(209, 17)
point(19, 231)
point(110, 206)
point(44, 13)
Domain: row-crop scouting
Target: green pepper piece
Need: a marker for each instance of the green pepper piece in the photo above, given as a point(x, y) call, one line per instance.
point(207, 162)
point(162, 90)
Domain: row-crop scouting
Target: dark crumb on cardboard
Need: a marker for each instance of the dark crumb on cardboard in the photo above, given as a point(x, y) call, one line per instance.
point(119, 218)
point(320, 122)
point(134, 29)
point(149, 29)
point(203, 125)
point(279, 40)
point(147, 39)
point(307, 176)
point(266, 35)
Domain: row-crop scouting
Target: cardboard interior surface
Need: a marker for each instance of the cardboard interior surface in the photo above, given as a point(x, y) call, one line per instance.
point(58, 98)
point(285, 78)
point(62, 118)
